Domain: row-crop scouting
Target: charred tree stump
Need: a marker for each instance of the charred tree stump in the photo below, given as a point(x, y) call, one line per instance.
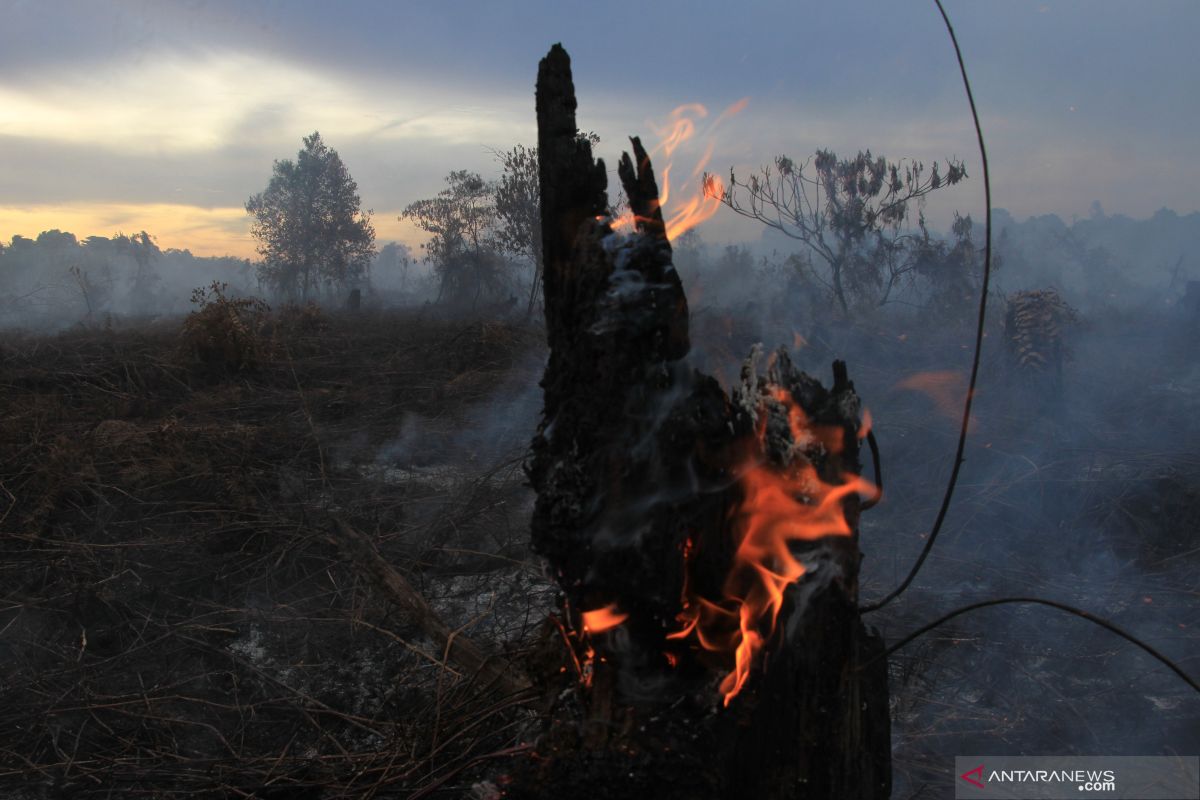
point(706, 544)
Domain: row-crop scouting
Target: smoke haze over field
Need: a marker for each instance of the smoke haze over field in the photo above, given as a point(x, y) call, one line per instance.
point(172, 473)
point(125, 116)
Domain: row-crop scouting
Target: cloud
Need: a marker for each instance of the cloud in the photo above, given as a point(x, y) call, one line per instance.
point(172, 103)
point(175, 102)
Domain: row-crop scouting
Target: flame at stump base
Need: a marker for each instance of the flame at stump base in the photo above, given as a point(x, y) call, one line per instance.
point(811, 725)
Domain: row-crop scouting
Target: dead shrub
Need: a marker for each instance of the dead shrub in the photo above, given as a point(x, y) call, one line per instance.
point(225, 332)
point(56, 477)
point(1035, 328)
point(305, 320)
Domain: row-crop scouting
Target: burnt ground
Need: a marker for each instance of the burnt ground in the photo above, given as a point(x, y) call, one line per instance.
point(174, 620)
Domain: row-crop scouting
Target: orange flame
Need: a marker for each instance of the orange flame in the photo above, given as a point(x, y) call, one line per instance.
point(681, 127)
point(867, 422)
point(697, 209)
point(701, 205)
point(780, 506)
point(946, 388)
point(603, 619)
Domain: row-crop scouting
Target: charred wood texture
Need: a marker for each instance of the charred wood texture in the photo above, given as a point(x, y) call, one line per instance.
point(616, 321)
point(644, 469)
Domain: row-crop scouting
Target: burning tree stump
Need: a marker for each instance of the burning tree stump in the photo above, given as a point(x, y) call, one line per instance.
point(709, 643)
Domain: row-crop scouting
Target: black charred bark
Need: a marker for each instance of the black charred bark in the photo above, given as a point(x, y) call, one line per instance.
point(616, 321)
point(637, 466)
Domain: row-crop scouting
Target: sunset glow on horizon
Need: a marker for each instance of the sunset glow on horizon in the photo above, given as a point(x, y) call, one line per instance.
point(203, 231)
point(119, 117)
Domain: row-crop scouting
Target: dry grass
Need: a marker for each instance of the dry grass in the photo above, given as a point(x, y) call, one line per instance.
point(172, 618)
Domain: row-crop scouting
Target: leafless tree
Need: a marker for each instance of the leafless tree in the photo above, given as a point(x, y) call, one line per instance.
point(853, 214)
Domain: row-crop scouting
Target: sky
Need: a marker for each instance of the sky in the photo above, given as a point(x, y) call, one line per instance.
point(166, 115)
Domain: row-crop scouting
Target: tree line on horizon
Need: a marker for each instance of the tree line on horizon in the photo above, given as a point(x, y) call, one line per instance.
point(57, 278)
point(861, 241)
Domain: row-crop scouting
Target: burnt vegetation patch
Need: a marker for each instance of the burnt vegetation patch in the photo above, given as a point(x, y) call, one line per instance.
point(174, 618)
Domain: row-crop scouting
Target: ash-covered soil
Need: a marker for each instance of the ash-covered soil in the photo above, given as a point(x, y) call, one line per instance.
point(174, 620)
